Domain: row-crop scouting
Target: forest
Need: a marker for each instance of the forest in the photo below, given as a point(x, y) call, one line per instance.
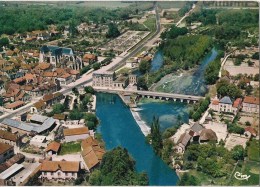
point(20, 19)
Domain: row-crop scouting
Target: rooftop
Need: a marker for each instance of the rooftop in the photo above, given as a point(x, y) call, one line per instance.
point(4, 147)
point(8, 136)
point(53, 146)
point(10, 171)
point(75, 131)
point(65, 166)
point(251, 100)
point(226, 100)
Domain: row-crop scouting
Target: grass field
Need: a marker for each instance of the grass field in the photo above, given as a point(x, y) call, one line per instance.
point(253, 151)
point(70, 147)
point(246, 168)
point(151, 24)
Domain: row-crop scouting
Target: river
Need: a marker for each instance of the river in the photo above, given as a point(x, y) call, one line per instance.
point(118, 127)
point(191, 83)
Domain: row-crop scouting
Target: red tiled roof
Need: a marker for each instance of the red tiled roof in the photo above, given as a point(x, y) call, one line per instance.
point(251, 130)
point(53, 146)
point(251, 100)
point(237, 102)
point(215, 102)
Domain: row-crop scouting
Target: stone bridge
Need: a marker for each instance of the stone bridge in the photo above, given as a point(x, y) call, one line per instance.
point(154, 95)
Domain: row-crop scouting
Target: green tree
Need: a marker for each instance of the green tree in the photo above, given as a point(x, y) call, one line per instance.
point(75, 114)
point(89, 89)
point(113, 31)
point(144, 66)
point(117, 168)
point(156, 137)
point(141, 83)
point(4, 42)
point(238, 152)
point(58, 108)
point(188, 180)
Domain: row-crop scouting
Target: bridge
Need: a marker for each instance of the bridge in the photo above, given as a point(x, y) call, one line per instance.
point(153, 95)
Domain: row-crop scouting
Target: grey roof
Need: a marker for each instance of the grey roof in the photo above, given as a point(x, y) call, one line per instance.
point(29, 126)
point(184, 139)
point(196, 127)
point(10, 171)
point(39, 118)
point(56, 50)
point(226, 100)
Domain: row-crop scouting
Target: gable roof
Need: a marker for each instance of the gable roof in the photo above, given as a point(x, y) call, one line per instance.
point(53, 146)
point(226, 100)
point(184, 139)
point(65, 166)
point(251, 100)
point(4, 147)
point(75, 131)
point(8, 136)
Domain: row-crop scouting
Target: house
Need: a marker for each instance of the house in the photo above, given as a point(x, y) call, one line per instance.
point(14, 105)
point(250, 131)
point(51, 99)
point(65, 79)
point(10, 172)
point(38, 106)
point(6, 152)
point(183, 142)
point(39, 141)
point(59, 170)
point(89, 59)
point(53, 148)
point(91, 152)
point(226, 105)
point(207, 135)
point(251, 104)
point(76, 134)
point(10, 138)
point(103, 78)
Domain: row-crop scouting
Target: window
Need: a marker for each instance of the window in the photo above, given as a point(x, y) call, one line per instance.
point(51, 173)
point(73, 174)
point(59, 173)
point(66, 174)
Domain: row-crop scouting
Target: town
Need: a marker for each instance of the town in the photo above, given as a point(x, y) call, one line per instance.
point(62, 77)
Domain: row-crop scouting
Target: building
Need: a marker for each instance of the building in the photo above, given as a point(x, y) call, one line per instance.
point(103, 78)
point(89, 59)
point(60, 56)
point(76, 134)
point(108, 79)
point(39, 141)
point(207, 135)
point(10, 138)
point(91, 153)
point(226, 105)
point(10, 172)
point(250, 104)
point(38, 124)
point(59, 170)
point(6, 152)
point(53, 148)
point(132, 79)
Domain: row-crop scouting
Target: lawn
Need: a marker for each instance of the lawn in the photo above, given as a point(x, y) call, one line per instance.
point(247, 168)
point(253, 150)
point(150, 23)
point(70, 147)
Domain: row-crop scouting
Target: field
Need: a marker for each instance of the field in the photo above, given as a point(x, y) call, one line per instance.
point(246, 168)
point(151, 24)
point(70, 147)
point(253, 151)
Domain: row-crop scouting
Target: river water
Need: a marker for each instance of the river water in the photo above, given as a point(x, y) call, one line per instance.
point(118, 127)
point(191, 83)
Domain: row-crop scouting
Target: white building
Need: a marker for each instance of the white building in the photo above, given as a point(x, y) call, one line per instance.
point(251, 105)
point(39, 141)
point(59, 170)
point(75, 134)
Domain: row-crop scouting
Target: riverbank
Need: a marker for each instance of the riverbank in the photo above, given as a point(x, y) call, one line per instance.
point(142, 124)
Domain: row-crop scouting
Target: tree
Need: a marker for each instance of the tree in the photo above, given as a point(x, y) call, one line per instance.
point(75, 114)
point(89, 89)
point(141, 83)
point(249, 89)
point(58, 108)
point(188, 180)
point(96, 66)
point(156, 137)
point(224, 88)
point(117, 168)
point(255, 56)
point(113, 31)
point(75, 91)
point(238, 152)
point(144, 66)
point(4, 42)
